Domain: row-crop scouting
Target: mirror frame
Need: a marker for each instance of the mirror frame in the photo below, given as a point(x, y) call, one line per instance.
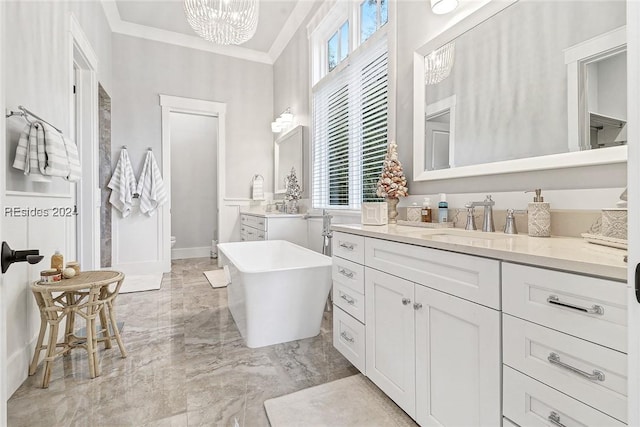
point(295, 132)
point(551, 161)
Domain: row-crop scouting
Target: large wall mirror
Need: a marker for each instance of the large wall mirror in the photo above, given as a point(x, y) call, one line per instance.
point(522, 85)
point(288, 154)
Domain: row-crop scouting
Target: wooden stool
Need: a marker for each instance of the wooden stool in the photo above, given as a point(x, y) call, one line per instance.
point(84, 295)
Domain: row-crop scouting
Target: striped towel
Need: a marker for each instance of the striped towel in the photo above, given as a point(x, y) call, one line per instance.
point(57, 162)
point(123, 184)
point(73, 160)
point(30, 155)
point(150, 186)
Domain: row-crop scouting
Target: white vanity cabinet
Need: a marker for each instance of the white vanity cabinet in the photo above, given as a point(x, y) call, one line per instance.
point(564, 348)
point(254, 226)
point(428, 343)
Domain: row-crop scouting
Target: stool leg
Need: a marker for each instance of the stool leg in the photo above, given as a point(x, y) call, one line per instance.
point(91, 348)
point(104, 323)
point(116, 331)
point(51, 354)
point(36, 352)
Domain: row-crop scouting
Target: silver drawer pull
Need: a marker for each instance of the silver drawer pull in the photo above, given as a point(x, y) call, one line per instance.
point(406, 301)
point(594, 309)
point(555, 419)
point(554, 358)
point(347, 246)
point(417, 306)
point(346, 272)
point(347, 298)
point(346, 337)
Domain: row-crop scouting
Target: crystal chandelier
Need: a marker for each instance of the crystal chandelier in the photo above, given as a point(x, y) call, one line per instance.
point(438, 64)
point(223, 21)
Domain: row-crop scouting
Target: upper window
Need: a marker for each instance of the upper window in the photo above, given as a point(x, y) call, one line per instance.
point(373, 15)
point(338, 46)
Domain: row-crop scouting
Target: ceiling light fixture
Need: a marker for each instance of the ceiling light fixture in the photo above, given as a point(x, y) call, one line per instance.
point(223, 21)
point(282, 122)
point(440, 7)
point(438, 64)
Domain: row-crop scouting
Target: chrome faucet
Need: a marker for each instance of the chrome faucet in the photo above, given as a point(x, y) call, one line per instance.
point(487, 223)
point(471, 219)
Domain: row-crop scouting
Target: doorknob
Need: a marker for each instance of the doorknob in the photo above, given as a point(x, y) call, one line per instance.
point(9, 256)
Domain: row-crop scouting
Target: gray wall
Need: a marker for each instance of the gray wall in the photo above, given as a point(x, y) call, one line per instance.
point(193, 179)
point(144, 69)
point(416, 25)
point(291, 89)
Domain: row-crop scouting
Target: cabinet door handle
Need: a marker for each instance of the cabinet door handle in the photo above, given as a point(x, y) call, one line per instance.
point(554, 358)
point(347, 298)
point(406, 301)
point(554, 418)
point(417, 306)
point(594, 309)
point(346, 273)
point(347, 246)
point(346, 337)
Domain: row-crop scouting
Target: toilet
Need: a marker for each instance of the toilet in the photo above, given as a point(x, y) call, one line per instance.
point(173, 241)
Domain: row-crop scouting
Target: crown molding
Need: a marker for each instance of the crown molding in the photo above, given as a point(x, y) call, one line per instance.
point(295, 20)
point(178, 39)
point(299, 13)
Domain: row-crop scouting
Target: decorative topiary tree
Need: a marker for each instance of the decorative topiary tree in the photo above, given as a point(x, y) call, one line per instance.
point(293, 192)
point(392, 183)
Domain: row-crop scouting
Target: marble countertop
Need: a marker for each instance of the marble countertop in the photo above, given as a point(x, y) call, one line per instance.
point(562, 253)
point(262, 213)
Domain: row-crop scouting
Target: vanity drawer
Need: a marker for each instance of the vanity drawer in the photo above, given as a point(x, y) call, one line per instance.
point(348, 246)
point(261, 235)
point(349, 300)
point(528, 402)
point(348, 273)
point(587, 307)
point(472, 278)
point(528, 348)
point(349, 338)
point(260, 223)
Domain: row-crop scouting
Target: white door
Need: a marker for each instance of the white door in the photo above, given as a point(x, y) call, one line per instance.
point(390, 342)
point(458, 362)
point(633, 180)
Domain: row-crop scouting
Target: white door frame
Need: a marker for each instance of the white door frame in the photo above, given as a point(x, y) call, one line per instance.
point(3, 299)
point(87, 189)
point(633, 182)
point(176, 104)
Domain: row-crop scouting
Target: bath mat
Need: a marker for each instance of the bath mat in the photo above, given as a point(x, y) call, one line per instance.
point(216, 278)
point(351, 401)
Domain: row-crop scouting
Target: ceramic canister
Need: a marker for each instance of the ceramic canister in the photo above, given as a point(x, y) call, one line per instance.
point(414, 213)
point(614, 223)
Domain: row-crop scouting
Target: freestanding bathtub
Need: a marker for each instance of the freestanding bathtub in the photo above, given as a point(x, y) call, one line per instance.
point(277, 290)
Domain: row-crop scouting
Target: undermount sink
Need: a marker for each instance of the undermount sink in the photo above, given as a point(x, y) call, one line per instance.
point(466, 236)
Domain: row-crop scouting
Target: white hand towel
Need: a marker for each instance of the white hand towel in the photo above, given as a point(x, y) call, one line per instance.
point(73, 159)
point(30, 154)
point(21, 160)
point(150, 186)
point(123, 184)
point(57, 162)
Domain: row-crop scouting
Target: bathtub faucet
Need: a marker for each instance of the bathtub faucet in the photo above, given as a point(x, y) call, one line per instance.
point(327, 234)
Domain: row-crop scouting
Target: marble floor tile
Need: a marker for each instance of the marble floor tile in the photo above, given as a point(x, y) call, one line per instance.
point(187, 365)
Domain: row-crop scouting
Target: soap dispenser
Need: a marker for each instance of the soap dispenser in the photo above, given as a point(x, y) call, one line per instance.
point(539, 223)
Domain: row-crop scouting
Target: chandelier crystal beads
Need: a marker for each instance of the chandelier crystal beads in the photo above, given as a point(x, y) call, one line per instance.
point(223, 21)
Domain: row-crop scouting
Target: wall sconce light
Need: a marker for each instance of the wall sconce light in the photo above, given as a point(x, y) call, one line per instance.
point(282, 122)
point(440, 7)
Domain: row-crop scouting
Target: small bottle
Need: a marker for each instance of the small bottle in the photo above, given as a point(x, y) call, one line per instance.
point(426, 210)
point(57, 261)
point(443, 209)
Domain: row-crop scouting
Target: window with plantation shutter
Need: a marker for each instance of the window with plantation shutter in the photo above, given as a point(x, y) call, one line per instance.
point(350, 129)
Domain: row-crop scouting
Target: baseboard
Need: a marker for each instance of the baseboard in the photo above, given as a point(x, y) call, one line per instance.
point(184, 253)
point(18, 366)
point(141, 282)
